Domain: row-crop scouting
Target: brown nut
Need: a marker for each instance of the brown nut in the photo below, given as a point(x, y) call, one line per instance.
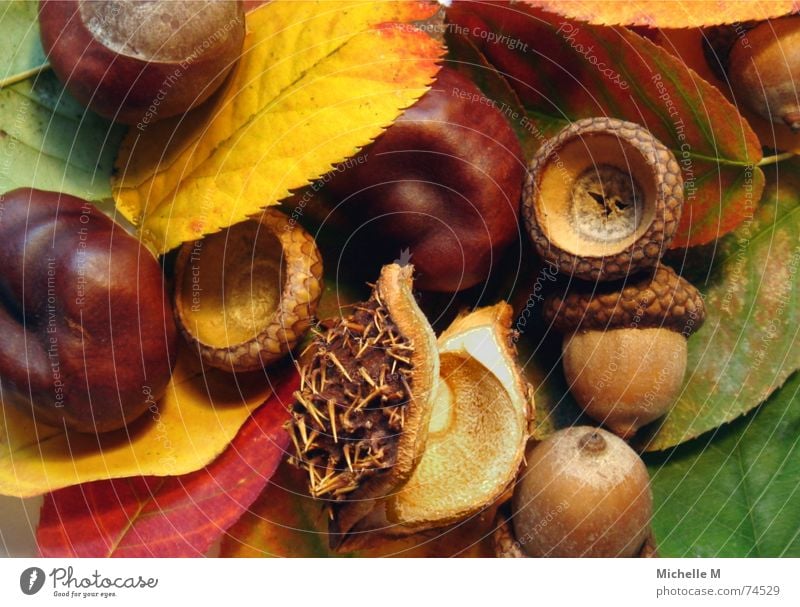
point(245, 296)
point(361, 418)
point(624, 351)
point(761, 60)
point(139, 62)
point(602, 199)
point(583, 493)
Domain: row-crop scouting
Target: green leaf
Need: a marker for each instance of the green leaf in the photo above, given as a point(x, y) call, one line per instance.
point(564, 70)
point(734, 492)
point(749, 343)
point(47, 139)
point(19, 45)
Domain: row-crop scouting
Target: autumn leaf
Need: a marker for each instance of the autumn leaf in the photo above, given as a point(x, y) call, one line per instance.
point(176, 516)
point(316, 81)
point(750, 341)
point(198, 416)
point(563, 70)
point(733, 493)
point(286, 522)
point(666, 13)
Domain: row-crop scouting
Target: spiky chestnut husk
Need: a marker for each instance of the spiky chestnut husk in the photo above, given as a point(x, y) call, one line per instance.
point(761, 60)
point(624, 351)
point(602, 199)
point(245, 296)
point(482, 399)
point(583, 493)
point(361, 415)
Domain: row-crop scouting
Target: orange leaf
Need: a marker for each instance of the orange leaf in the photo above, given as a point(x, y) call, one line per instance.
point(666, 13)
point(285, 522)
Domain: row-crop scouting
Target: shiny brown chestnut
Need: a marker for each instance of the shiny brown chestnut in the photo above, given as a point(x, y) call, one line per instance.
point(138, 62)
point(443, 182)
point(89, 339)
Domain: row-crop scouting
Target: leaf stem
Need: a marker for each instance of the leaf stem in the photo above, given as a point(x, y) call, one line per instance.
point(775, 158)
point(34, 71)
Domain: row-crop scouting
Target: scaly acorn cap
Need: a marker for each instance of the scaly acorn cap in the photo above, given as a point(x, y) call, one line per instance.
point(360, 419)
point(658, 298)
point(602, 199)
point(245, 296)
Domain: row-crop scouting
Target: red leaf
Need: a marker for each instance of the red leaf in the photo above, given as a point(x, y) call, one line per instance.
point(176, 516)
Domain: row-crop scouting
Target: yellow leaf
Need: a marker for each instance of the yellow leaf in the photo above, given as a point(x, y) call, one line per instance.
point(192, 424)
point(316, 81)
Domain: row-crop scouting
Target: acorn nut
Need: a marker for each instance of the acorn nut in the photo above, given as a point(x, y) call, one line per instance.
point(245, 296)
point(761, 60)
point(624, 351)
point(583, 493)
point(602, 199)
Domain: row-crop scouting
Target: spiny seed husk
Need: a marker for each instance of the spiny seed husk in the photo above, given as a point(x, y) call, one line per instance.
point(648, 248)
point(657, 299)
point(350, 409)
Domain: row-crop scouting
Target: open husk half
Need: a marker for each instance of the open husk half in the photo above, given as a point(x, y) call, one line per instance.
point(476, 437)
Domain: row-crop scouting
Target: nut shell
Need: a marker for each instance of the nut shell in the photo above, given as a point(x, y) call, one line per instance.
point(658, 299)
point(570, 234)
point(299, 290)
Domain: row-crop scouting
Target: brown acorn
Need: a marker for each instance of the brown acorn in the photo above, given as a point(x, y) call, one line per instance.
point(761, 60)
point(582, 493)
point(625, 351)
point(602, 199)
point(245, 296)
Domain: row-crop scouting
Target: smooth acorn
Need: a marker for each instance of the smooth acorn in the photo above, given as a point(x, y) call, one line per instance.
point(89, 340)
point(443, 182)
point(138, 62)
point(582, 493)
point(624, 351)
point(602, 199)
point(761, 60)
point(245, 296)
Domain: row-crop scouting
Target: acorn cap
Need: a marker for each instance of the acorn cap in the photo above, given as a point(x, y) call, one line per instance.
point(657, 299)
point(361, 415)
point(602, 199)
point(245, 296)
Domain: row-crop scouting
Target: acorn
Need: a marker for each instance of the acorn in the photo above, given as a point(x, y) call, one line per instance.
point(761, 60)
point(602, 199)
point(583, 493)
point(625, 350)
point(360, 419)
point(245, 296)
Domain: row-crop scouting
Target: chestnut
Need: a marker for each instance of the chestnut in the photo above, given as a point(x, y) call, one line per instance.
point(138, 62)
point(89, 339)
point(442, 183)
